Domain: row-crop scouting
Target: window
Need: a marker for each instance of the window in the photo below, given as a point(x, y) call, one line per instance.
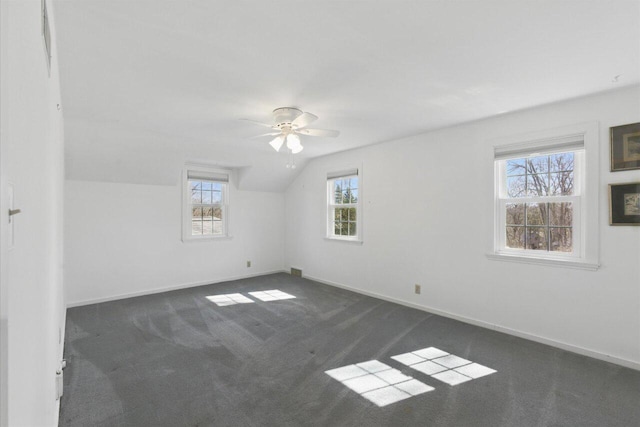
point(540, 203)
point(205, 203)
point(343, 201)
point(546, 202)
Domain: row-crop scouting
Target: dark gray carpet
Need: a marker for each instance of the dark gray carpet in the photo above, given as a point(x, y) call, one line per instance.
point(177, 359)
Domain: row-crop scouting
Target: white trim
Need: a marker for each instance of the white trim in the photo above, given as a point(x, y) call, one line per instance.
point(61, 353)
point(553, 262)
point(342, 174)
point(167, 289)
point(204, 239)
point(344, 240)
point(514, 332)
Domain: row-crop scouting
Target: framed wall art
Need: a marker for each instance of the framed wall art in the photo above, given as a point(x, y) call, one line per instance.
point(625, 147)
point(624, 204)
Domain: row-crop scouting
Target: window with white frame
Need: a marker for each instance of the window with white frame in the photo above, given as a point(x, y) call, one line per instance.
point(546, 203)
point(205, 203)
point(540, 202)
point(343, 202)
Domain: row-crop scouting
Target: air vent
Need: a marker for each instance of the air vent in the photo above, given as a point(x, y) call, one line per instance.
point(296, 272)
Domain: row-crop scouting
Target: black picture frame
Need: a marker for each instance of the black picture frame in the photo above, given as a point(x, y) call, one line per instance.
point(625, 147)
point(624, 204)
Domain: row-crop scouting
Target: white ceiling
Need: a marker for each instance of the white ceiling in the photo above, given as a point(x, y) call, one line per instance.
point(148, 85)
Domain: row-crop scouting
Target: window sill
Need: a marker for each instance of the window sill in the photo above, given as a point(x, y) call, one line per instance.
point(553, 262)
point(351, 241)
point(205, 239)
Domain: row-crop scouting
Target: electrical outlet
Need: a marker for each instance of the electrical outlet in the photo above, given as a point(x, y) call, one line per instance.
point(248, 264)
point(417, 289)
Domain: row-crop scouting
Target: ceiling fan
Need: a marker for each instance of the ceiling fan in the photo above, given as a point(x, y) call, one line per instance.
point(289, 124)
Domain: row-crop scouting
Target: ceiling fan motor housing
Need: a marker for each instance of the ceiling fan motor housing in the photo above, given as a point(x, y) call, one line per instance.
point(285, 115)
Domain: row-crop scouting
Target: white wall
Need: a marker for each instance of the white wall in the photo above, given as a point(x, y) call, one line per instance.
point(428, 218)
point(125, 239)
point(31, 158)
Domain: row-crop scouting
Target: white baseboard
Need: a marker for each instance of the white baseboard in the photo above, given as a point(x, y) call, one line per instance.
point(564, 346)
point(60, 355)
point(166, 289)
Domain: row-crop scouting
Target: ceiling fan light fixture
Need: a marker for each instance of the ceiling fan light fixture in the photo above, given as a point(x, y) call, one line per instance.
point(277, 142)
point(293, 143)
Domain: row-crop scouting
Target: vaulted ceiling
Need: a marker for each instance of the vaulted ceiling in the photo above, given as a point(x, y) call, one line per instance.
point(150, 84)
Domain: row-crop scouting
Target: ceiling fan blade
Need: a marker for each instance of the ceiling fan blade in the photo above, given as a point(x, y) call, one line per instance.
point(319, 132)
point(255, 122)
point(304, 119)
point(266, 134)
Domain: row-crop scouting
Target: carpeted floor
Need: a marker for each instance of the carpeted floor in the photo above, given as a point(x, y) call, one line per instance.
point(181, 359)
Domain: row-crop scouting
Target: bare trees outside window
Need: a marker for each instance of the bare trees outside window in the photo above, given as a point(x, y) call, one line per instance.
point(206, 207)
point(539, 200)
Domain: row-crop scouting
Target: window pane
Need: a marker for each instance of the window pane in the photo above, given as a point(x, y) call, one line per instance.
point(196, 213)
point(207, 227)
point(561, 214)
point(516, 167)
point(337, 191)
point(353, 183)
point(537, 238)
point(561, 184)
point(206, 196)
point(344, 214)
point(336, 228)
point(515, 214)
point(196, 195)
point(346, 195)
point(352, 229)
point(561, 239)
point(217, 227)
point(515, 237)
point(195, 185)
point(352, 214)
point(216, 197)
point(538, 184)
point(207, 213)
point(216, 186)
point(538, 164)
point(354, 195)
point(206, 185)
point(217, 214)
point(561, 162)
point(196, 227)
point(516, 186)
point(537, 214)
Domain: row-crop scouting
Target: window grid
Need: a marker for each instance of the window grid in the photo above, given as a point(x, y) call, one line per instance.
point(206, 207)
point(533, 189)
point(343, 206)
